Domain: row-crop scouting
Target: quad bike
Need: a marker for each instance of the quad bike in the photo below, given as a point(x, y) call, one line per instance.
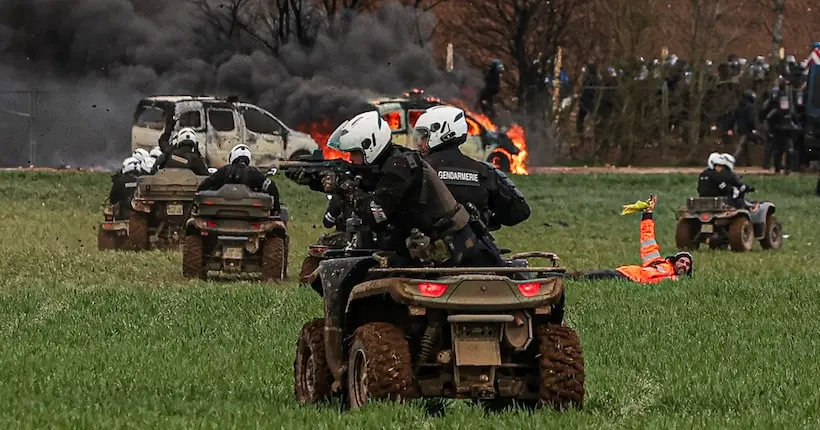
point(113, 233)
point(468, 333)
point(713, 221)
point(161, 207)
point(232, 230)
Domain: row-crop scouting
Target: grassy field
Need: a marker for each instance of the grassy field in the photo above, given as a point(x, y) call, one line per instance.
point(114, 340)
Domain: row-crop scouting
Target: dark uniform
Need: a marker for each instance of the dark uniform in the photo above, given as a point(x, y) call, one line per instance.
point(712, 183)
point(743, 121)
point(184, 156)
point(497, 199)
point(123, 186)
point(782, 127)
point(241, 173)
point(407, 194)
point(336, 214)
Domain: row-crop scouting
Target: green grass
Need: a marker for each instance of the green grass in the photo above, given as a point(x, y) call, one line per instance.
point(113, 340)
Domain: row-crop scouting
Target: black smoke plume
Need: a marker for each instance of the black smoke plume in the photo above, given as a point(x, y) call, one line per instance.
point(91, 61)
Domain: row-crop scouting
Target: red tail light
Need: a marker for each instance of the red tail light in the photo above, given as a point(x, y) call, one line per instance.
point(210, 224)
point(705, 217)
point(529, 289)
point(207, 202)
point(429, 289)
point(257, 204)
point(108, 225)
point(256, 226)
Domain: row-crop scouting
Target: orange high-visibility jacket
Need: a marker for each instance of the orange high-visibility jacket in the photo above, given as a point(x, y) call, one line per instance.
point(654, 268)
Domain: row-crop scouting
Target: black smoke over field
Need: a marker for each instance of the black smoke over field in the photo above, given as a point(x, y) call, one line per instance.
point(94, 59)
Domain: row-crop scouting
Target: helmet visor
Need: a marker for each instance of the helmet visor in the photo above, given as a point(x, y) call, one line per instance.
point(421, 136)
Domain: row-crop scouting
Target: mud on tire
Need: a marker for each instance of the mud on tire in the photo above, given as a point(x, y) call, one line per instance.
point(273, 258)
point(379, 365)
point(193, 259)
point(138, 231)
point(312, 377)
point(685, 233)
point(773, 236)
point(741, 235)
point(561, 364)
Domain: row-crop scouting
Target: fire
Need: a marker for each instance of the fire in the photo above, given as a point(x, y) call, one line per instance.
point(320, 132)
point(518, 163)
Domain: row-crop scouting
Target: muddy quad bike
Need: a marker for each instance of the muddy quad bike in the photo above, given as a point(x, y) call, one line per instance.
point(113, 233)
point(161, 207)
point(467, 333)
point(713, 221)
point(232, 230)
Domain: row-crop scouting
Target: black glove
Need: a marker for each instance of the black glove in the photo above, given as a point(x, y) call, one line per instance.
point(750, 188)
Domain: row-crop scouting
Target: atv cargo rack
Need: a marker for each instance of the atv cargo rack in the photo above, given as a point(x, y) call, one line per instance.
point(476, 270)
point(233, 201)
point(169, 184)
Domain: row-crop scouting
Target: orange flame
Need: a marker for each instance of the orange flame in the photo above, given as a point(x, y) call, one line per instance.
point(518, 163)
point(320, 131)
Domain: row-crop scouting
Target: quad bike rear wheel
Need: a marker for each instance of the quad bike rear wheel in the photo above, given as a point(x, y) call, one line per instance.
point(312, 377)
point(193, 259)
point(685, 233)
point(741, 235)
point(379, 365)
point(561, 365)
point(138, 231)
point(273, 258)
point(773, 238)
point(105, 240)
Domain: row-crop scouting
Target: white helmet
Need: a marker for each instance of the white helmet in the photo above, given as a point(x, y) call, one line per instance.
point(148, 164)
point(130, 164)
point(239, 151)
point(713, 159)
point(140, 154)
point(441, 124)
point(366, 132)
point(185, 134)
point(727, 160)
point(155, 152)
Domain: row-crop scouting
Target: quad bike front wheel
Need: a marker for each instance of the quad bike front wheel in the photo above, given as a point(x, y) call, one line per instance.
point(741, 235)
point(773, 238)
point(312, 377)
point(379, 365)
point(138, 231)
point(561, 367)
point(273, 259)
point(685, 233)
point(193, 259)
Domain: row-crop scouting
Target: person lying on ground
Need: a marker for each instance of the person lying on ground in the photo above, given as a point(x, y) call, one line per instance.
point(654, 268)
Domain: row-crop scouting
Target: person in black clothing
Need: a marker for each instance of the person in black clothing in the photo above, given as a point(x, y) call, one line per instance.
point(404, 199)
point(743, 122)
point(492, 85)
point(438, 132)
point(718, 180)
point(123, 186)
point(183, 154)
point(239, 171)
point(586, 103)
point(781, 129)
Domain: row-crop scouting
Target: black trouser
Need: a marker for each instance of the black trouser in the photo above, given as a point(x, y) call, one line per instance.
point(742, 149)
point(782, 143)
point(603, 274)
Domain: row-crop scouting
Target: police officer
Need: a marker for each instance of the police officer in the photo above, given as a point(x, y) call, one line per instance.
point(438, 132)
point(405, 193)
point(743, 122)
point(718, 180)
point(123, 186)
point(183, 154)
point(239, 171)
point(781, 128)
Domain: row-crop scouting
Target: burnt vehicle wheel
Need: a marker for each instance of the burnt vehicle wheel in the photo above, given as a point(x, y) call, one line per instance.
point(273, 258)
point(500, 160)
point(561, 364)
point(138, 231)
point(193, 259)
point(741, 235)
point(379, 365)
point(773, 239)
point(685, 233)
point(106, 240)
point(312, 377)
point(309, 264)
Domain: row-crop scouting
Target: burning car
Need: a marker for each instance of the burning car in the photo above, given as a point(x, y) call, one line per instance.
point(506, 150)
point(219, 124)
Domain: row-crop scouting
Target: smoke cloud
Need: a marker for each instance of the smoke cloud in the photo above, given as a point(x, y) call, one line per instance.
point(92, 60)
